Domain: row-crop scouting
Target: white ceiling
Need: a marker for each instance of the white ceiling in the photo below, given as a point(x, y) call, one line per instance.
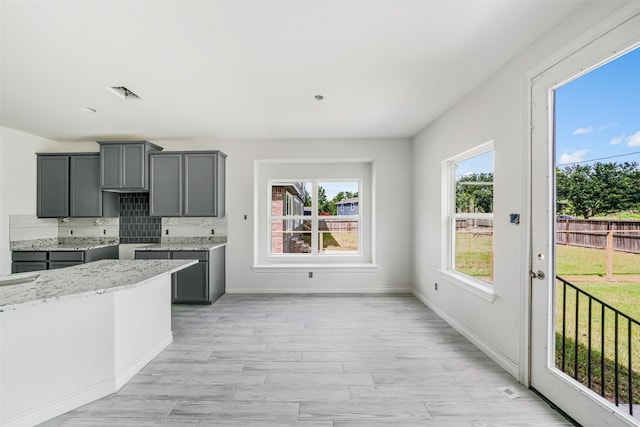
point(251, 69)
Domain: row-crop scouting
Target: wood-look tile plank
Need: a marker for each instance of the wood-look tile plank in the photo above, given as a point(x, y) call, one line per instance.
point(364, 411)
point(236, 410)
point(316, 361)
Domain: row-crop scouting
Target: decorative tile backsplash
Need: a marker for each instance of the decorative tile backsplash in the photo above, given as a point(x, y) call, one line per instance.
point(136, 226)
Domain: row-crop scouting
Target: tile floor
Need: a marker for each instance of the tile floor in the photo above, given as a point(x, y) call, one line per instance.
point(317, 360)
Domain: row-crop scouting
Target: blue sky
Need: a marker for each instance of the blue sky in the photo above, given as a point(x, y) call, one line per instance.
point(598, 114)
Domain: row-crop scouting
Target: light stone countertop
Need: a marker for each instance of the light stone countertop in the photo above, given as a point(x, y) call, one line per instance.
point(186, 244)
point(63, 244)
point(88, 279)
point(181, 247)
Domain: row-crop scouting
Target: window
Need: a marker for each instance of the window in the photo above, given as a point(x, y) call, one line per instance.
point(325, 230)
point(313, 214)
point(469, 203)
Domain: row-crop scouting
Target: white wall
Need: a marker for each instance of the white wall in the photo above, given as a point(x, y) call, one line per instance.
point(497, 110)
point(393, 198)
point(17, 182)
point(393, 213)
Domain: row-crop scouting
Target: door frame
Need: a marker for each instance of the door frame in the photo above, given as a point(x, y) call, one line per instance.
point(593, 49)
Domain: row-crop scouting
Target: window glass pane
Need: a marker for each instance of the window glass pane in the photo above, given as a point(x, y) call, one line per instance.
point(334, 197)
point(474, 248)
point(474, 184)
point(291, 236)
point(338, 235)
point(289, 198)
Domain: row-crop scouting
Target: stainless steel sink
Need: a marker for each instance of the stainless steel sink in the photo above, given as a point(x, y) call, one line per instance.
point(7, 281)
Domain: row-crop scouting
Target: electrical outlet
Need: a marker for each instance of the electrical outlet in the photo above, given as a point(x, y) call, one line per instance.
point(213, 231)
point(311, 275)
point(166, 231)
point(436, 286)
point(70, 232)
point(104, 232)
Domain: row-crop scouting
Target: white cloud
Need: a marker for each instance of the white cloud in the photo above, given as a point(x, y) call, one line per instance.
point(583, 131)
point(617, 140)
point(576, 156)
point(634, 140)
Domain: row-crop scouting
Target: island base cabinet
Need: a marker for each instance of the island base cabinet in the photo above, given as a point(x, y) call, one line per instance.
point(52, 363)
point(202, 283)
point(190, 285)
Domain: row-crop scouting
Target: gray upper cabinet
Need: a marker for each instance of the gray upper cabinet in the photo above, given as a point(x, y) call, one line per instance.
point(187, 184)
point(69, 186)
point(85, 198)
point(124, 165)
point(53, 186)
point(165, 188)
point(204, 184)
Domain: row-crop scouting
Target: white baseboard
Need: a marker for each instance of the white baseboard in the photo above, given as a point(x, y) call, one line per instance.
point(505, 363)
point(130, 371)
point(320, 290)
point(59, 406)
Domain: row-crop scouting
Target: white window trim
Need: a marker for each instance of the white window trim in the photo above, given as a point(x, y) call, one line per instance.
point(475, 286)
point(357, 169)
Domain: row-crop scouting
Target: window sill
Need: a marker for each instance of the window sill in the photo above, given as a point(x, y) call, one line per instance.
point(297, 268)
point(474, 286)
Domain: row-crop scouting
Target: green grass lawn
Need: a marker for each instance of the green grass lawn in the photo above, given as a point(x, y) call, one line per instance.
point(473, 255)
point(577, 261)
point(623, 295)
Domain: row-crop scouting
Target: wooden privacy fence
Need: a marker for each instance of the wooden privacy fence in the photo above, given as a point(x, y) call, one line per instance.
point(610, 235)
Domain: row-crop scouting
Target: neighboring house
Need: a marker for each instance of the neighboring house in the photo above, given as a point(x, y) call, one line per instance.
point(348, 206)
point(287, 199)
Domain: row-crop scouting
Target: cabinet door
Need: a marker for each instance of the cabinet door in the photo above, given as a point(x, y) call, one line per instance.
point(200, 184)
point(133, 167)
point(53, 186)
point(85, 195)
point(25, 267)
point(111, 166)
point(165, 186)
point(191, 284)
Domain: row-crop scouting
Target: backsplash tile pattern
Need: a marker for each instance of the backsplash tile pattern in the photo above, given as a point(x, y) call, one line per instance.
point(136, 226)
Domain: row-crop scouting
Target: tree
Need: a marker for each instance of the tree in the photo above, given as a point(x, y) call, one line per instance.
point(474, 193)
point(598, 189)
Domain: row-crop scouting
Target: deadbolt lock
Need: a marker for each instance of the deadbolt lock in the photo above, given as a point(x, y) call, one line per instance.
point(537, 274)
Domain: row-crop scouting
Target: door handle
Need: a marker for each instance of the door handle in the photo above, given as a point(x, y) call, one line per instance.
point(537, 274)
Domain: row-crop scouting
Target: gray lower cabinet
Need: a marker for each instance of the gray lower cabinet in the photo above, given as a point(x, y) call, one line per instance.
point(202, 283)
point(25, 261)
point(187, 183)
point(69, 186)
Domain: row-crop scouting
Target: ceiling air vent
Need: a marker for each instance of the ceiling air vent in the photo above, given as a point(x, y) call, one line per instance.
point(122, 92)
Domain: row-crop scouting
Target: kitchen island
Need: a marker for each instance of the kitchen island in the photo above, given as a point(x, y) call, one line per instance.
point(70, 336)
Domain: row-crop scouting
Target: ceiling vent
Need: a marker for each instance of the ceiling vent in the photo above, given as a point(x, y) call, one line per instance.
point(122, 92)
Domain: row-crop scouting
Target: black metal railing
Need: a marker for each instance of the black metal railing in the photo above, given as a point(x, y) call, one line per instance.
point(612, 379)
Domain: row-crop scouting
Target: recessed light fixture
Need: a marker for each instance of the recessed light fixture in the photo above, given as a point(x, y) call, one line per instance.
point(122, 92)
point(88, 109)
point(319, 97)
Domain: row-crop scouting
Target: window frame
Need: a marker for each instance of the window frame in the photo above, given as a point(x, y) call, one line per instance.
point(472, 284)
point(292, 170)
point(315, 219)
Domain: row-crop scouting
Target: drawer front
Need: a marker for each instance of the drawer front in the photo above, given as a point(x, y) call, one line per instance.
point(25, 267)
point(199, 255)
point(66, 256)
point(29, 256)
point(62, 264)
point(152, 255)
